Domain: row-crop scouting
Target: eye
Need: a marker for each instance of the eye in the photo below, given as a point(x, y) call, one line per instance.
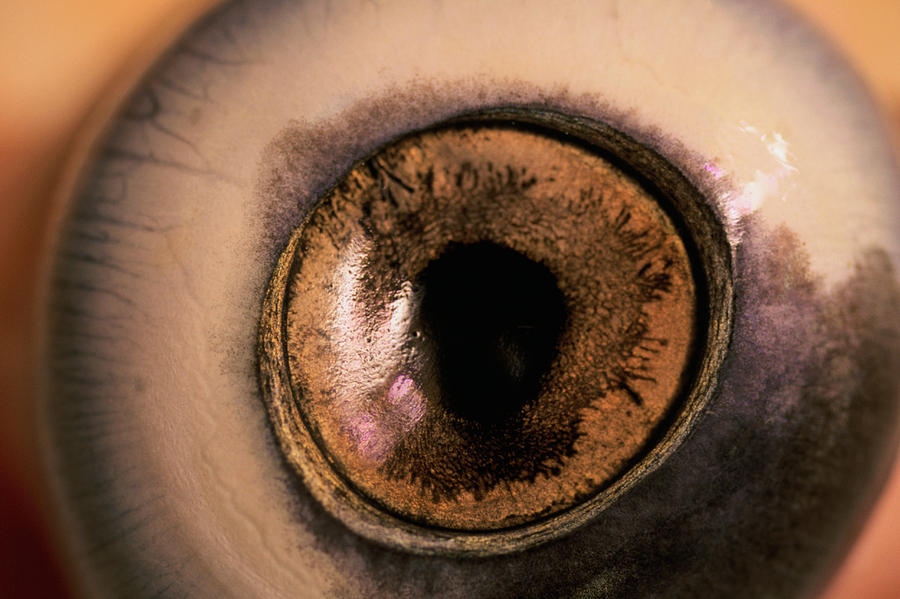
point(269, 182)
point(484, 326)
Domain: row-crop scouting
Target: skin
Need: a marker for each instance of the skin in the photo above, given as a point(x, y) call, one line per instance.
point(57, 96)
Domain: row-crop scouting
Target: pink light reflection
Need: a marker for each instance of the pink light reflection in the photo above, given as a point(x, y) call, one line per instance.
point(376, 432)
point(714, 170)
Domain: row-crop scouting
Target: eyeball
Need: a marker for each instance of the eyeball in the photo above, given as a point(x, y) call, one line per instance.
point(512, 300)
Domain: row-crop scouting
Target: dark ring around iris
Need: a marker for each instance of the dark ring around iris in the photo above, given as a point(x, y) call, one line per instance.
point(709, 255)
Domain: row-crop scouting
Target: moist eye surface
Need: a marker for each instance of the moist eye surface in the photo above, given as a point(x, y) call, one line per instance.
point(481, 325)
point(767, 162)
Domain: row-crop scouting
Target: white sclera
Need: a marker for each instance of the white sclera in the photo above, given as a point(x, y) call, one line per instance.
point(728, 91)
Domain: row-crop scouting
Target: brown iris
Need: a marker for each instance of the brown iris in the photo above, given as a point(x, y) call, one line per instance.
point(480, 326)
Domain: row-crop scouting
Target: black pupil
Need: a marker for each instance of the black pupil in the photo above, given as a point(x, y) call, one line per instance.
point(494, 318)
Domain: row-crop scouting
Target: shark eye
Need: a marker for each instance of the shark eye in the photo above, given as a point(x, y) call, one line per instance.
point(422, 299)
point(484, 326)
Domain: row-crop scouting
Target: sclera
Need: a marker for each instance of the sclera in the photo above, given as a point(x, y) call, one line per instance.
point(747, 103)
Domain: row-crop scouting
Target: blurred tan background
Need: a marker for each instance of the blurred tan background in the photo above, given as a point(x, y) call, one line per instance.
point(63, 67)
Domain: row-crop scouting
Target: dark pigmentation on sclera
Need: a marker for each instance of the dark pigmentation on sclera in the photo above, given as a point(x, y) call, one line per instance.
point(757, 498)
point(756, 501)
